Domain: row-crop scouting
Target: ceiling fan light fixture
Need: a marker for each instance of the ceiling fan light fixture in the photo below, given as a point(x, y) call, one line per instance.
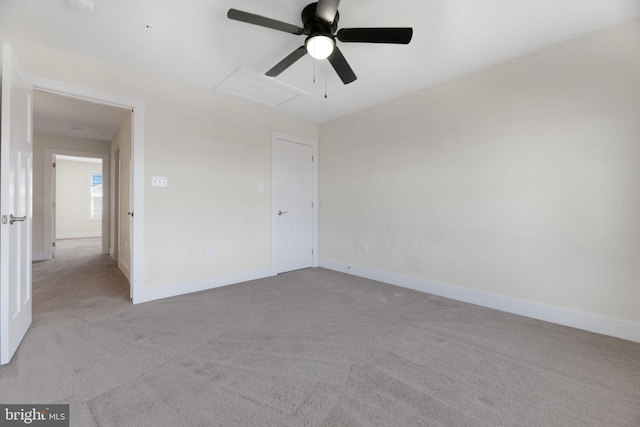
point(84, 7)
point(320, 46)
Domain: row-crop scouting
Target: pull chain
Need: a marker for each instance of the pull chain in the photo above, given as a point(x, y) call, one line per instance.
point(325, 78)
point(325, 83)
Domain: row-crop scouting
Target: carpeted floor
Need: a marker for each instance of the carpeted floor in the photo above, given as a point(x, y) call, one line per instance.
point(306, 348)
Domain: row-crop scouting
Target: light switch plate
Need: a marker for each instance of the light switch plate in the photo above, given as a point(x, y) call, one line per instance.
point(159, 181)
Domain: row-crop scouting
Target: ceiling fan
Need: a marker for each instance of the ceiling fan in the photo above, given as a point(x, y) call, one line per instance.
point(320, 22)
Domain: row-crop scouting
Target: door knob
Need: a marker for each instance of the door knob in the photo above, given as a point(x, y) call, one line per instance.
point(282, 212)
point(13, 219)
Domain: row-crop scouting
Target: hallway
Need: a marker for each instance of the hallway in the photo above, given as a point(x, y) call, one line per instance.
point(80, 279)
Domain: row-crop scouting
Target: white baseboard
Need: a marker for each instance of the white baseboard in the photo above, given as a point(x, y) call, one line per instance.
point(77, 236)
point(39, 257)
point(125, 270)
point(562, 316)
point(151, 294)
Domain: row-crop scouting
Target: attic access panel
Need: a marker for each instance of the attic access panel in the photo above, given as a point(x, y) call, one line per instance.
point(258, 89)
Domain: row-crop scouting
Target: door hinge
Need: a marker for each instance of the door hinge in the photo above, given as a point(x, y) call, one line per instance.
point(54, 165)
point(311, 251)
point(312, 158)
point(53, 244)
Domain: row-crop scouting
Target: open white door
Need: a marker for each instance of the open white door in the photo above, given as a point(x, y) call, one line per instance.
point(15, 205)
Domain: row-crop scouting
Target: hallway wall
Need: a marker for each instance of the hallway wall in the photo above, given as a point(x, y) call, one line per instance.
point(73, 200)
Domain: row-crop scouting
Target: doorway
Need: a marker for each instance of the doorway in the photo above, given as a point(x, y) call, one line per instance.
point(72, 144)
point(79, 198)
point(129, 139)
point(72, 141)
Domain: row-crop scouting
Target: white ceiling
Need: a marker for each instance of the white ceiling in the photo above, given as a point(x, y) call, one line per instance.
point(192, 43)
point(61, 115)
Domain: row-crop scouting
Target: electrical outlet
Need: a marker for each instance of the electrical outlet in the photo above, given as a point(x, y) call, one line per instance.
point(210, 255)
point(365, 249)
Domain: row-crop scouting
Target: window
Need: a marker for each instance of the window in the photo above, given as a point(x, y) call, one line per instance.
point(95, 192)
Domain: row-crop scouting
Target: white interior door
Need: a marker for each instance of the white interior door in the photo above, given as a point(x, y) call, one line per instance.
point(293, 187)
point(15, 205)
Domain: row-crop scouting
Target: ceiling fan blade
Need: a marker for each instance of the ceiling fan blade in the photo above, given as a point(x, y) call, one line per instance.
point(287, 62)
point(251, 18)
point(341, 66)
point(327, 9)
point(375, 35)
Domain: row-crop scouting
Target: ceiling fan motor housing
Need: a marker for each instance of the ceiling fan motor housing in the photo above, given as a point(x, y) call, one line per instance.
point(313, 26)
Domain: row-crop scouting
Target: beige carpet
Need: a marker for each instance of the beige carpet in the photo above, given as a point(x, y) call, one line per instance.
point(307, 348)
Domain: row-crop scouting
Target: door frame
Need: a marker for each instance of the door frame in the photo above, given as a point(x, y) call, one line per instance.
point(115, 206)
point(137, 106)
point(50, 192)
point(275, 136)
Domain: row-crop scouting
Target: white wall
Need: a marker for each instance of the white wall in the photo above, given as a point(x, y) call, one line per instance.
point(42, 142)
point(214, 152)
point(519, 181)
point(73, 204)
